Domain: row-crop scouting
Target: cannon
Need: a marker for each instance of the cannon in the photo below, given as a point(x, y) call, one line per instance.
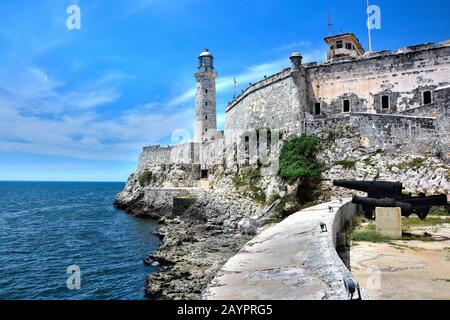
point(390, 194)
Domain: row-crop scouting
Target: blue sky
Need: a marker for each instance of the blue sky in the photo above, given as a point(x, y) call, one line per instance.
point(78, 105)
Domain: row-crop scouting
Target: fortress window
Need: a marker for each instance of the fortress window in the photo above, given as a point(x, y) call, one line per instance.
point(427, 97)
point(317, 110)
point(206, 103)
point(348, 46)
point(206, 117)
point(385, 102)
point(346, 106)
point(339, 44)
point(206, 90)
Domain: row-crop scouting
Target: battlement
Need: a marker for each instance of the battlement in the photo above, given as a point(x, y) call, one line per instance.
point(285, 73)
point(386, 53)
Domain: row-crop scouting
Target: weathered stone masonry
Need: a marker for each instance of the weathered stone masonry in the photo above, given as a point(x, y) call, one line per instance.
point(396, 99)
point(401, 76)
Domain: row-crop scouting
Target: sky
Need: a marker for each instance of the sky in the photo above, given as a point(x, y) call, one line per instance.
point(79, 104)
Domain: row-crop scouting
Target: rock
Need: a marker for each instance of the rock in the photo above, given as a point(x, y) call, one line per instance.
point(197, 243)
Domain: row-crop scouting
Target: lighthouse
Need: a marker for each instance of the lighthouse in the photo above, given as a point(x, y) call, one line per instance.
point(205, 128)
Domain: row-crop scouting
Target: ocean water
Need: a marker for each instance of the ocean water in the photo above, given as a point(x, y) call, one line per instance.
point(45, 227)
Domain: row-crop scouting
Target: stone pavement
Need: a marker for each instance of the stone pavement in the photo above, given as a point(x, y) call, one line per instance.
point(292, 260)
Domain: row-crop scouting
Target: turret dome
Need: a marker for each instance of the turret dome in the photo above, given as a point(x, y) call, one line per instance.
point(205, 53)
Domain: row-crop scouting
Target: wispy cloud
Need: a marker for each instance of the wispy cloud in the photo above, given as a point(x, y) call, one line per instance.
point(224, 84)
point(136, 6)
point(86, 136)
point(294, 45)
point(38, 116)
point(31, 90)
point(250, 74)
point(42, 114)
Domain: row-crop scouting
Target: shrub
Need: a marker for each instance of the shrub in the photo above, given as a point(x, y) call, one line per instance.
point(348, 164)
point(415, 163)
point(298, 160)
point(248, 182)
point(145, 178)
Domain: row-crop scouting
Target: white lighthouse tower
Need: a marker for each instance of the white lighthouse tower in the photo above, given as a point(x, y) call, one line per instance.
point(205, 128)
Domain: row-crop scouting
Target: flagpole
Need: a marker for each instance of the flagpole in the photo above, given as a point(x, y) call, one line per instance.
point(368, 27)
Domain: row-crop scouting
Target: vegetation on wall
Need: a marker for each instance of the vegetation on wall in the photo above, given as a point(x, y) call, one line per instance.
point(248, 182)
point(299, 167)
point(347, 164)
point(415, 163)
point(145, 178)
point(298, 161)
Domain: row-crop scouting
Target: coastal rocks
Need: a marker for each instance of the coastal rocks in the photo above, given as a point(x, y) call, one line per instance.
point(197, 242)
point(156, 202)
point(210, 226)
point(189, 259)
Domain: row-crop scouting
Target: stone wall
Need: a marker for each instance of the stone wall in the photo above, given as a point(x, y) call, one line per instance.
point(422, 135)
point(185, 153)
point(402, 75)
point(276, 102)
point(286, 100)
point(212, 153)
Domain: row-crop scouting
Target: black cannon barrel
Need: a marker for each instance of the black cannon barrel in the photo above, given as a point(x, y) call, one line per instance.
point(376, 189)
point(384, 203)
point(430, 201)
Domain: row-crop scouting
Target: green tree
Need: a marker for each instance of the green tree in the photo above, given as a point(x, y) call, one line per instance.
point(145, 178)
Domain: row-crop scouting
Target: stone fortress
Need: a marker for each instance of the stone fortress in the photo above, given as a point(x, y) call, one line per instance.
point(397, 100)
point(376, 115)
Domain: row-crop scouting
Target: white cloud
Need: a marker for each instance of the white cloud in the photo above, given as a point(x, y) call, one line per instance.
point(294, 45)
point(183, 98)
point(251, 74)
point(86, 136)
point(37, 116)
point(34, 92)
point(223, 84)
point(40, 115)
point(135, 6)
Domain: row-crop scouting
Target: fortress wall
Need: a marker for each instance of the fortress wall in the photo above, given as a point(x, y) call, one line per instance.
point(153, 155)
point(413, 134)
point(185, 153)
point(272, 103)
point(408, 133)
point(212, 153)
point(277, 102)
point(403, 75)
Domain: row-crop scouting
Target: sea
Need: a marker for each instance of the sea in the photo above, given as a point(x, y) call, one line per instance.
point(66, 241)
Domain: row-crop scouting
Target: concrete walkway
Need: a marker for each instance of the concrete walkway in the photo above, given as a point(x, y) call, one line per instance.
point(292, 260)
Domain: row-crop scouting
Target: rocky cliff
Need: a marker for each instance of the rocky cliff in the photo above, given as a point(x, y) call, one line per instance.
point(220, 219)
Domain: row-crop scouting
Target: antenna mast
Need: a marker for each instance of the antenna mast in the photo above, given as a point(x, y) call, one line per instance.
point(330, 24)
point(368, 27)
